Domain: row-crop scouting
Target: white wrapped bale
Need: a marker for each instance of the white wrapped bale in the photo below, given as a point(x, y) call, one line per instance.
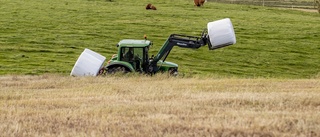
point(88, 64)
point(221, 33)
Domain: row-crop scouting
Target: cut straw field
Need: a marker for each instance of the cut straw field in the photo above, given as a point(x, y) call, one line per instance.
point(52, 105)
point(38, 37)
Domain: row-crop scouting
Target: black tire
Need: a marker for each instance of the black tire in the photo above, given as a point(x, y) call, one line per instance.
point(117, 69)
point(102, 71)
point(173, 72)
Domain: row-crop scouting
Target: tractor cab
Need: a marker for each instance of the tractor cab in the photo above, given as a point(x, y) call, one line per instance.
point(132, 56)
point(135, 52)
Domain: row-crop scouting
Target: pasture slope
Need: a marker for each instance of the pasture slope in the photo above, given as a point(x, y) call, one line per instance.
point(38, 37)
point(53, 105)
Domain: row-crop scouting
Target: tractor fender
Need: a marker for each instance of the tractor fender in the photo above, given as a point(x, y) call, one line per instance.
point(127, 65)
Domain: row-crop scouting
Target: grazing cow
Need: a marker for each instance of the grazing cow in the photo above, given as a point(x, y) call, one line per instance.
point(199, 3)
point(196, 3)
point(150, 7)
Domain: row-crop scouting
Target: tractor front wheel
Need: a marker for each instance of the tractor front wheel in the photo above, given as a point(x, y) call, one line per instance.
point(173, 72)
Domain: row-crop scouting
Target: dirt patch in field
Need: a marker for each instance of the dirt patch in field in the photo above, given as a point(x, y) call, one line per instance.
point(301, 9)
point(307, 10)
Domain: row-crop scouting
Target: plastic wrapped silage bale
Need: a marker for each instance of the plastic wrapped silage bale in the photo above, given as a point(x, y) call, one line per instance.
point(221, 33)
point(88, 64)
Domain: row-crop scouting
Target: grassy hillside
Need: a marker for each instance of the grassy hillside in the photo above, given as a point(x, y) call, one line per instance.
point(38, 37)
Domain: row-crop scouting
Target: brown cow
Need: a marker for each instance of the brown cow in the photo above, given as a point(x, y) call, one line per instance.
point(196, 3)
point(199, 2)
point(150, 7)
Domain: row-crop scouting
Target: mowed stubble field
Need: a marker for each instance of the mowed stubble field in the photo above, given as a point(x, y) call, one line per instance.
point(53, 105)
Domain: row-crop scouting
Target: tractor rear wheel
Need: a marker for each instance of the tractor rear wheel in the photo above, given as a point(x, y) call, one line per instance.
point(102, 71)
point(118, 69)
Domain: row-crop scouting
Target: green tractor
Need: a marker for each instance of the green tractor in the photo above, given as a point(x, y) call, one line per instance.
point(133, 55)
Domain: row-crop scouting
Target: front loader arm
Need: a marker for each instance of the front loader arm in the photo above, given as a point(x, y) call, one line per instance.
point(223, 36)
point(183, 41)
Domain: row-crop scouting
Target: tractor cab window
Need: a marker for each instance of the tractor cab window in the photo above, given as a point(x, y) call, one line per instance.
point(128, 54)
point(132, 55)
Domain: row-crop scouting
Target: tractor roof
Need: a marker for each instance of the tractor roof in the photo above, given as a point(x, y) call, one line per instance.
point(134, 43)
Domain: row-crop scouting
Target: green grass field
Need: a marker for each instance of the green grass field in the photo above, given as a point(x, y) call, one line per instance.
point(38, 37)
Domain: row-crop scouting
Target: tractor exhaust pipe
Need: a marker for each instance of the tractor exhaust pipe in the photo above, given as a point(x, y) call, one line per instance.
point(220, 34)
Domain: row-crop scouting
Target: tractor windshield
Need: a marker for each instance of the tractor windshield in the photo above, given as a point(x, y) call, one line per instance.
point(132, 55)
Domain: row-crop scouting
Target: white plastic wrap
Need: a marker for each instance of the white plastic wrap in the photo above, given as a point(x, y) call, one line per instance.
point(221, 33)
point(88, 64)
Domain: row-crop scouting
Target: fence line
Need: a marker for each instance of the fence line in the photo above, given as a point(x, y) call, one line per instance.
point(273, 3)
